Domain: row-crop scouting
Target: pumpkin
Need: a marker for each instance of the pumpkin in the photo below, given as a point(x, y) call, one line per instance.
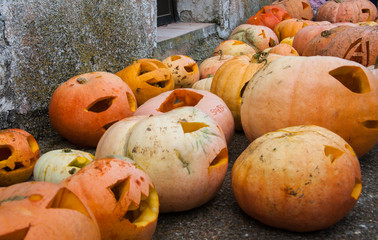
point(56, 165)
point(147, 78)
point(290, 27)
point(121, 195)
point(306, 34)
point(83, 107)
point(330, 92)
point(317, 44)
point(234, 48)
point(231, 78)
point(283, 49)
point(355, 44)
point(19, 152)
point(203, 84)
point(300, 178)
point(268, 16)
point(184, 70)
point(183, 151)
point(208, 102)
point(288, 40)
point(210, 65)
point(347, 11)
point(259, 37)
point(42, 210)
point(300, 9)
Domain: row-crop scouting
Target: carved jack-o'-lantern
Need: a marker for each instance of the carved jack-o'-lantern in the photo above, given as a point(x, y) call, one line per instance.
point(19, 152)
point(147, 78)
point(42, 210)
point(184, 70)
point(120, 195)
point(56, 165)
point(296, 8)
point(82, 108)
point(234, 48)
point(330, 92)
point(183, 151)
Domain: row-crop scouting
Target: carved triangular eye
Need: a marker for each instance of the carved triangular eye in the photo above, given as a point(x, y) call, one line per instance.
point(190, 68)
point(189, 127)
point(220, 159)
point(180, 98)
point(305, 5)
point(333, 153)
point(371, 124)
point(18, 234)
point(353, 78)
point(356, 189)
point(120, 188)
point(100, 105)
point(5, 153)
point(64, 198)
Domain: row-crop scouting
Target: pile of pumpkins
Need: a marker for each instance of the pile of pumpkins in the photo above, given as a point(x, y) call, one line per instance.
point(161, 131)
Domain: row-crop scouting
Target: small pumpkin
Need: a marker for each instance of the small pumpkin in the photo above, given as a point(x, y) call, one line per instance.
point(347, 11)
point(19, 152)
point(147, 78)
point(121, 196)
point(259, 37)
point(335, 93)
point(56, 165)
point(83, 107)
point(300, 9)
point(183, 151)
point(268, 16)
point(283, 49)
point(300, 178)
point(208, 102)
point(234, 48)
point(210, 65)
point(184, 70)
point(203, 84)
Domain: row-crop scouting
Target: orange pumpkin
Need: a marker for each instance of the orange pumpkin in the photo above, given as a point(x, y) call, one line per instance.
point(42, 210)
point(347, 11)
point(259, 37)
point(234, 48)
point(19, 151)
point(356, 44)
point(208, 102)
point(290, 27)
point(231, 78)
point(268, 16)
point(300, 178)
point(82, 108)
point(184, 70)
point(300, 9)
point(121, 197)
point(283, 49)
point(147, 78)
point(210, 65)
point(331, 92)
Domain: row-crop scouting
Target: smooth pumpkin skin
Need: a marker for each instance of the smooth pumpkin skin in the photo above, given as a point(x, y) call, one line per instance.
point(269, 16)
point(330, 92)
point(73, 112)
point(290, 27)
point(121, 196)
point(210, 65)
point(300, 178)
point(283, 49)
point(347, 11)
point(203, 84)
point(19, 152)
point(230, 79)
point(300, 9)
point(208, 102)
point(234, 48)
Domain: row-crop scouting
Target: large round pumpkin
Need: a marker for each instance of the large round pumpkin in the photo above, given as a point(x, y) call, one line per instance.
point(347, 11)
point(257, 36)
point(183, 151)
point(331, 92)
point(269, 16)
point(300, 9)
point(147, 78)
point(231, 78)
point(300, 178)
point(82, 108)
point(290, 27)
point(121, 196)
point(19, 152)
point(208, 102)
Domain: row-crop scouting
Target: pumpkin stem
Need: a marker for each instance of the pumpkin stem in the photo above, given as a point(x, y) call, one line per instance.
point(338, 1)
point(376, 62)
point(220, 52)
point(66, 150)
point(325, 33)
point(260, 56)
point(82, 80)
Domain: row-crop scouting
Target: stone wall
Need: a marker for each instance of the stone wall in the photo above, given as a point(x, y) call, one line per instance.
point(44, 43)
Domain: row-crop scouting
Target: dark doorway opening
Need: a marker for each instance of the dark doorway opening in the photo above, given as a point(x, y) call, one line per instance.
point(166, 12)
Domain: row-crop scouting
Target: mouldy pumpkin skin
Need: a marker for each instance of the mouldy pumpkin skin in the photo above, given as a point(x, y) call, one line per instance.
point(147, 78)
point(19, 152)
point(56, 165)
point(43, 210)
point(183, 151)
point(300, 178)
point(82, 108)
point(258, 37)
point(234, 48)
point(121, 196)
point(330, 92)
point(208, 102)
point(184, 70)
point(347, 11)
